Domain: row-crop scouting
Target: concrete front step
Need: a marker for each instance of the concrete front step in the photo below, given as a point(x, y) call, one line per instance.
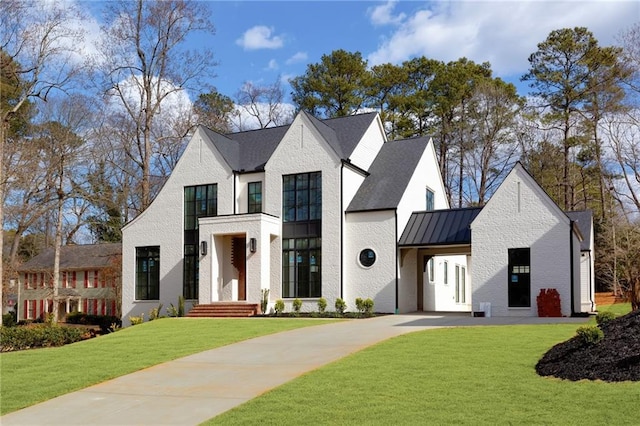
point(224, 309)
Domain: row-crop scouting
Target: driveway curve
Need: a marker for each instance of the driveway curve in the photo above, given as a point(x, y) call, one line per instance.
point(198, 387)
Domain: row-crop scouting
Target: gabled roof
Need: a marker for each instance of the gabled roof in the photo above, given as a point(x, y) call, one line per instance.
point(389, 175)
point(74, 257)
point(439, 227)
point(583, 219)
point(250, 150)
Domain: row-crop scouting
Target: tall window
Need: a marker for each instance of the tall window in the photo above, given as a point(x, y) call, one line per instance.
point(301, 267)
point(302, 197)
point(432, 270)
point(519, 278)
point(430, 201)
point(199, 201)
point(461, 284)
point(255, 197)
point(148, 273)
point(301, 235)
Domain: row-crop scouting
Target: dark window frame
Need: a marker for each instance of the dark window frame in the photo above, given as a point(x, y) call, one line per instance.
point(254, 197)
point(148, 273)
point(519, 277)
point(430, 200)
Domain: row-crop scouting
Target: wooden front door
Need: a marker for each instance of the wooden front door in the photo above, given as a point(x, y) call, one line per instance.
point(239, 259)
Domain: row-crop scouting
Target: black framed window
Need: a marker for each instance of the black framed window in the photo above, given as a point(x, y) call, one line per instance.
point(519, 280)
point(430, 202)
point(302, 197)
point(367, 257)
point(301, 267)
point(199, 201)
point(148, 273)
point(255, 197)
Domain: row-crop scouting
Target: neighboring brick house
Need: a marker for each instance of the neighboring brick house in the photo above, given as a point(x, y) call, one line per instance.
point(89, 282)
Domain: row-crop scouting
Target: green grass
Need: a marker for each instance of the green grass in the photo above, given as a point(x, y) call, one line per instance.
point(472, 375)
point(29, 377)
point(617, 308)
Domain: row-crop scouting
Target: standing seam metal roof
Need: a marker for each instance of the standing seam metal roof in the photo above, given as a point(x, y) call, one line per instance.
point(439, 227)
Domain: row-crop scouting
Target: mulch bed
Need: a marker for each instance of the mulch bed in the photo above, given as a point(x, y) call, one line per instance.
point(615, 358)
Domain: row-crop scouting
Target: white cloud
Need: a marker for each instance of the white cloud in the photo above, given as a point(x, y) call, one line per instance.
point(297, 58)
point(382, 15)
point(260, 37)
point(273, 65)
point(503, 33)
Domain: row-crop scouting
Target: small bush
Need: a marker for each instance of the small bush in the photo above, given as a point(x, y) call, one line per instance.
point(590, 334)
point(37, 336)
point(172, 311)
point(279, 307)
point(9, 319)
point(297, 305)
point(104, 321)
point(181, 306)
point(367, 306)
point(322, 305)
point(340, 306)
point(136, 320)
point(154, 313)
point(604, 317)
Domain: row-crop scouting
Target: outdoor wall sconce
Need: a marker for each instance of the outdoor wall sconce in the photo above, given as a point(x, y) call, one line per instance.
point(252, 245)
point(203, 248)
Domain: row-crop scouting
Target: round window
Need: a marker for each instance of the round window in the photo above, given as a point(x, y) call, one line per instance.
point(367, 257)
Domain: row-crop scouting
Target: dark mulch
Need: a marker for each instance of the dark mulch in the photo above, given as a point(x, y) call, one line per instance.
point(615, 358)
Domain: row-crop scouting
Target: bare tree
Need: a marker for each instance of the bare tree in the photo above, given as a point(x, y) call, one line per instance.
point(261, 106)
point(144, 67)
point(37, 44)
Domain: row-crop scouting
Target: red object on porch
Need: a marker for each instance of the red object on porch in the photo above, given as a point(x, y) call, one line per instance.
point(549, 303)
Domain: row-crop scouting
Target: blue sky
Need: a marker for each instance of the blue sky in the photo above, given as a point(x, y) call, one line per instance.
point(261, 41)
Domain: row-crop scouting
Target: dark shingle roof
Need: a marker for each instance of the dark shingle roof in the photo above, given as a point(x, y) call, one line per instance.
point(91, 256)
point(389, 175)
point(439, 227)
point(583, 219)
point(250, 150)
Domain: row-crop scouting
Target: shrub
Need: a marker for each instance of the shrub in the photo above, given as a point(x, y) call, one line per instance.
point(9, 319)
point(590, 334)
point(172, 311)
point(604, 317)
point(297, 305)
point(341, 306)
point(154, 313)
point(37, 336)
point(367, 306)
point(279, 307)
point(136, 320)
point(264, 300)
point(103, 321)
point(359, 305)
point(322, 305)
point(181, 306)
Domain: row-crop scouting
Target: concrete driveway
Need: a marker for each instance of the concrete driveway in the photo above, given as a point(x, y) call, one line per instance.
point(198, 387)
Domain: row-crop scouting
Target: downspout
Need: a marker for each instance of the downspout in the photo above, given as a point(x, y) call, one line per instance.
point(397, 251)
point(571, 267)
point(343, 217)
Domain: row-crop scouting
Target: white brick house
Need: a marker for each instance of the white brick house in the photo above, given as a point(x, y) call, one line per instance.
point(290, 209)
point(314, 209)
point(523, 242)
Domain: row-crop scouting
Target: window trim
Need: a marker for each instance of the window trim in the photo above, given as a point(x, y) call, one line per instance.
point(251, 206)
point(149, 285)
point(430, 200)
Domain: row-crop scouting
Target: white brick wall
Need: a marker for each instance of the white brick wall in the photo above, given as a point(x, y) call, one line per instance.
point(520, 215)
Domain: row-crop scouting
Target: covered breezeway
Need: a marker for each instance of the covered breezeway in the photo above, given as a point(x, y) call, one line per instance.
point(441, 242)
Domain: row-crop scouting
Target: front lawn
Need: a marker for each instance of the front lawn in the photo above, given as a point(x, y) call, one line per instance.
point(472, 375)
point(29, 377)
